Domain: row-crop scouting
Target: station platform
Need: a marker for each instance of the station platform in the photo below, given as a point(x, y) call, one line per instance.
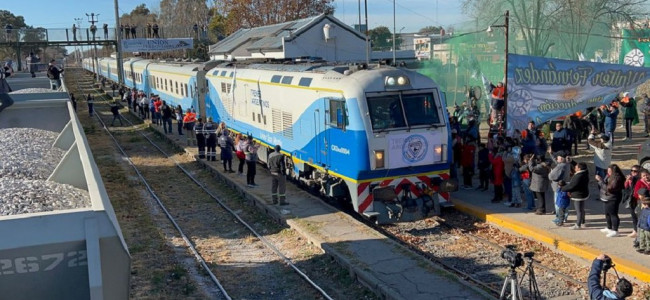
point(586, 243)
point(379, 263)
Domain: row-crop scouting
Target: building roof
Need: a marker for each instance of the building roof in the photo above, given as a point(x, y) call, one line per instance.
point(247, 40)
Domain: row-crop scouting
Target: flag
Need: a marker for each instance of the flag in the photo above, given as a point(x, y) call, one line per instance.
point(634, 47)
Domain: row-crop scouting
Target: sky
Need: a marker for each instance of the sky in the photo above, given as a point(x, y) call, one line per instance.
point(410, 15)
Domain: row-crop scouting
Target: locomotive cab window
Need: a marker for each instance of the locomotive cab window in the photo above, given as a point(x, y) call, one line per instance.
point(402, 110)
point(287, 79)
point(276, 78)
point(338, 115)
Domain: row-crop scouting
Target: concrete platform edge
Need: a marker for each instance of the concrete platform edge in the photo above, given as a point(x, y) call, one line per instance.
point(588, 253)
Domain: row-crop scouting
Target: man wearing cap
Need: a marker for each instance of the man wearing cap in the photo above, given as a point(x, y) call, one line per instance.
point(277, 168)
point(621, 290)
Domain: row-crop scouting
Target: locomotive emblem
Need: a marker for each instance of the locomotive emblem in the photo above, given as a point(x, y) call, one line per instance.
point(414, 148)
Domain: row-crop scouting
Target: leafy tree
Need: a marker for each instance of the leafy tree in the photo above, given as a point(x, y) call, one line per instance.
point(177, 17)
point(382, 39)
point(430, 30)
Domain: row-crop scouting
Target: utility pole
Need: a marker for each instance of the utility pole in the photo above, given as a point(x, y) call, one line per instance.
point(394, 58)
point(118, 47)
point(93, 29)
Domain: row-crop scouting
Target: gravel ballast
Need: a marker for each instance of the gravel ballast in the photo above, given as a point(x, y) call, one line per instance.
point(28, 159)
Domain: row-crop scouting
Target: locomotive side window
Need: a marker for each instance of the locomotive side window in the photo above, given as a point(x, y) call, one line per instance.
point(338, 116)
point(305, 81)
point(223, 73)
point(386, 112)
point(276, 78)
point(420, 109)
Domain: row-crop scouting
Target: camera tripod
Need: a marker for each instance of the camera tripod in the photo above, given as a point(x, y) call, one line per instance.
point(515, 286)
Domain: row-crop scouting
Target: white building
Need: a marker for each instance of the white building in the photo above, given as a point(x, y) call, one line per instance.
point(321, 36)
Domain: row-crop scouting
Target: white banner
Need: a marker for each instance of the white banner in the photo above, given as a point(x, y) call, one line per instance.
point(156, 45)
point(414, 149)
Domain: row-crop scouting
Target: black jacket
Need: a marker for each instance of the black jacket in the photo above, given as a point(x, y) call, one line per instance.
point(596, 291)
point(578, 186)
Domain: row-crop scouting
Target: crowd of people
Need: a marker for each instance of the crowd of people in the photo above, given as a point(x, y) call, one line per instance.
point(526, 166)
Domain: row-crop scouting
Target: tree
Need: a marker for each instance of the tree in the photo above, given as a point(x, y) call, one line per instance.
point(567, 24)
point(381, 39)
point(178, 17)
point(255, 13)
point(430, 30)
point(580, 18)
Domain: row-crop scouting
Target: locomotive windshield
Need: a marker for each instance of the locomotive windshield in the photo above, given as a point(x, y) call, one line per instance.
point(402, 110)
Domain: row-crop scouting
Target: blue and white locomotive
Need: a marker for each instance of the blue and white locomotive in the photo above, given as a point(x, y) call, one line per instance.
point(375, 136)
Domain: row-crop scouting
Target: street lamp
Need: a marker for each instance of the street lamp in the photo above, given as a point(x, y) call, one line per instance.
point(505, 26)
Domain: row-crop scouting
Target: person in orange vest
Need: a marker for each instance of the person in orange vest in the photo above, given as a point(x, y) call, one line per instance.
point(188, 120)
point(498, 100)
point(630, 114)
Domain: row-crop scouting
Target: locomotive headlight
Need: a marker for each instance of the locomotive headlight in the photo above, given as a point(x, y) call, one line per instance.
point(438, 149)
point(402, 80)
point(379, 159)
point(390, 81)
point(396, 81)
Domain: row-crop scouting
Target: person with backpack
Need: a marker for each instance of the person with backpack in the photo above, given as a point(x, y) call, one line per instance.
point(115, 109)
point(226, 145)
point(54, 74)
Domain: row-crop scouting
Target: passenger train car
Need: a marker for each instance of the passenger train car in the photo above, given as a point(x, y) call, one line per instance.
point(377, 137)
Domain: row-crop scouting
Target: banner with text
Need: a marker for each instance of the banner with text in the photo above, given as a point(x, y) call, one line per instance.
point(634, 46)
point(541, 89)
point(156, 45)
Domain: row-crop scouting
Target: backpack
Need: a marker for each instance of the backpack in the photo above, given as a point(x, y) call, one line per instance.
point(223, 141)
point(50, 75)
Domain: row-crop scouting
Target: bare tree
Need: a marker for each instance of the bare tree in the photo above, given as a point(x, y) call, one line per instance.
point(580, 19)
point(255, 13)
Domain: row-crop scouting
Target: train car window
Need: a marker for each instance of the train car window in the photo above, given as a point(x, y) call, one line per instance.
point(304, 81)
point(420, 109)
point(165, 84)
point(223, 73)
point(386, 112)
point(287, 79)
point(176, 84)
point(276, 78)
point(231, 74)
point(185, 90)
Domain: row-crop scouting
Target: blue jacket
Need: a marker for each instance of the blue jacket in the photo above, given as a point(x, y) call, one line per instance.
point(610, 120)
point(596, 291)
point(644, 219)
point(562, 199)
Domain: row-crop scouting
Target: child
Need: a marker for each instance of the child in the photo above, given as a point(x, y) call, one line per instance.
point(515, 181)
point(643, 229)
point(467, 162)
point(562, 202)
point(483, 167)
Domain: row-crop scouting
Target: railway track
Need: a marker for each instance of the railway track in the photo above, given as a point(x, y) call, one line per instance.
point(472, 250)
point(228, 240)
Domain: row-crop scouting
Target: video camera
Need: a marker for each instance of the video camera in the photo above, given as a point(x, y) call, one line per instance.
point(513, 257)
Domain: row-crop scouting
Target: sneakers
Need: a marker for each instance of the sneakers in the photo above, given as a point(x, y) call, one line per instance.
point(605, 230)
point(576, 227)
point(508, 203)
point(612, 234)
point(624, 139)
